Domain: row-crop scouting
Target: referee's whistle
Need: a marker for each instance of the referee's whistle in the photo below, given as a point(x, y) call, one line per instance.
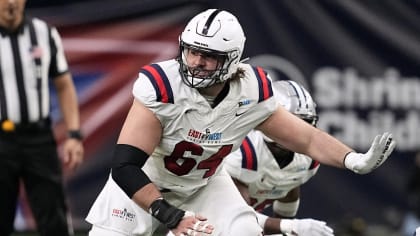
point(8, 126)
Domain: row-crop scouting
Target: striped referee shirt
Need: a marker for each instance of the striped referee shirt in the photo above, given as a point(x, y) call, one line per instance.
point(29, 57)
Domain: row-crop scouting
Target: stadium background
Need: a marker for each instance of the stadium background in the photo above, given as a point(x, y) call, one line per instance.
point(368, 52)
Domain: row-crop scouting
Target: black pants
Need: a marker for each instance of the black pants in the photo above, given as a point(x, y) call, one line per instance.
point(32, 157)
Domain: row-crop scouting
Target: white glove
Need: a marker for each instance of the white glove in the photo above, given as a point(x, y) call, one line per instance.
point(305, 227)
point(381, 148)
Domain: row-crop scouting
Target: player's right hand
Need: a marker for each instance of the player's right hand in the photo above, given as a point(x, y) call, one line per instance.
point(305, 227)
point(193, 225)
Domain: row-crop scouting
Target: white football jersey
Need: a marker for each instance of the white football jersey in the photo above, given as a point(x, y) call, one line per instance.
point(196, 137)
point(254, 164)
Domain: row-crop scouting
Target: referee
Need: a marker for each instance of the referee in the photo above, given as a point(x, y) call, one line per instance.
point(31, 54)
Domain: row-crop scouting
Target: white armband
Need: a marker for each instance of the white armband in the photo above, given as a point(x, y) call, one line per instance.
point(261, 219)
point(287, 209)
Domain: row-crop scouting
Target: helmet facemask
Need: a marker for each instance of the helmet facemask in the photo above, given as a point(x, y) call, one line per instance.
point(198, 77)
point(310, 119)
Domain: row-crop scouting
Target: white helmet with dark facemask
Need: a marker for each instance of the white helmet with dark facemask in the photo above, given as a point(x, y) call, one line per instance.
point(296, 99)
point(214, 33)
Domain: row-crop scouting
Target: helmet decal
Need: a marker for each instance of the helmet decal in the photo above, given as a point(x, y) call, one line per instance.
point(300, 93)
point(209, 21)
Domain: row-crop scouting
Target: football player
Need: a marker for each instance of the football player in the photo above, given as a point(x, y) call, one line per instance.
point(188, 114)
point(267, 174)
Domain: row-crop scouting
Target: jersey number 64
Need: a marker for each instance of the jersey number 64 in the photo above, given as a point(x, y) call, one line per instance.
point(188, 163)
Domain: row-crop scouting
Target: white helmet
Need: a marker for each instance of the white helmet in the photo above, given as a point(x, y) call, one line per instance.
point(215, 32)
point(296, 99)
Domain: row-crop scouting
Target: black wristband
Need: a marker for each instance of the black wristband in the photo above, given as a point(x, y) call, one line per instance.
point(167, 214)
point(76, 134)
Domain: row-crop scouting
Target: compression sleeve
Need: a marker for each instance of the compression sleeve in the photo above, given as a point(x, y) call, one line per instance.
point(126, 169)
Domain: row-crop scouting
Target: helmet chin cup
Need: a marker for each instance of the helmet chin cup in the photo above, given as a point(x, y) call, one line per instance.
point(213, 32)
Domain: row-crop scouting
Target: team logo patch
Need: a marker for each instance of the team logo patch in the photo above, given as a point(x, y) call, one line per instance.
point(240, 105)
point(201, 137)
point(123, 214)
point(244, 102)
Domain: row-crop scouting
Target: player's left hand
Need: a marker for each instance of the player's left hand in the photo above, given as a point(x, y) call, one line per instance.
point(192, 225)
point(380, 150)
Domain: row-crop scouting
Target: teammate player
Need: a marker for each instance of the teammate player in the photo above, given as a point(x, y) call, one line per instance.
point(267, 174)
point(188, 114)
